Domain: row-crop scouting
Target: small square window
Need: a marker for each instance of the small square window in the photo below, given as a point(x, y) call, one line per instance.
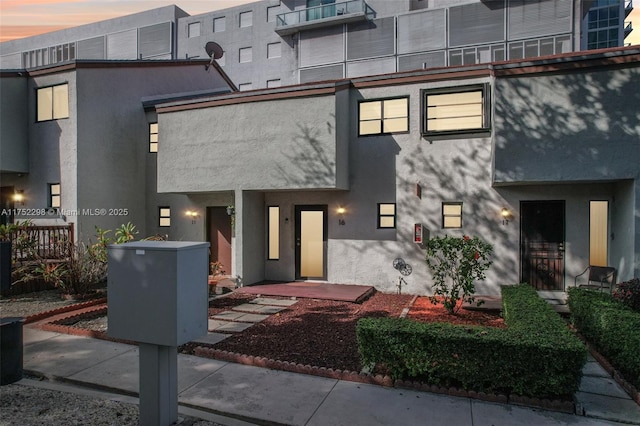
point(274, 83)
point(272, 12)
point(193, 29)
point(245, 54)
point(246, 19)
point(54, 195)
point(245, 86)
point(452, 215)
point(386, 215)
point(164, 214)
point(153, 137)
point(383, 116)
point(274, 50)
point(456, 110)
point(219, 24)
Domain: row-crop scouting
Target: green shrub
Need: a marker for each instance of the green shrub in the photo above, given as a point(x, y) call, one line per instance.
point(612, 327)
point(535, 356)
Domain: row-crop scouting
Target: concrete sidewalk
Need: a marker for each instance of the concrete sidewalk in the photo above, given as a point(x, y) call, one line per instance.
point(263, 396)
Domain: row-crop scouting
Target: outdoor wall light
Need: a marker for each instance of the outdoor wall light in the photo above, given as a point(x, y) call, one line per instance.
point(18, 197)
point(193, 215)
point(506, 215)
point(341, 210)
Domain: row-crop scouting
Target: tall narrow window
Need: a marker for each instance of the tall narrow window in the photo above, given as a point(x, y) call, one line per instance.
point(386, 215)
point(274, 233)
point(164, 214)
point(153, 137)
point(53, 102)
point(598, 231)
point(383, 116)
point(54, 195)
point(452, 215)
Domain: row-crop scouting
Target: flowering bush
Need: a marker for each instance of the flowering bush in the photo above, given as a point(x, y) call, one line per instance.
point(628, 293)
point(456, 263)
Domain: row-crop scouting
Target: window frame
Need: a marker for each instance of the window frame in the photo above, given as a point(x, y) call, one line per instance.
point(152, 142)
point(52, 193)
point(461, 216)
point(484, 88)
point(161, 216)
point(271, 235)
point(53, 102)
point(380, 216)
point(382, 118)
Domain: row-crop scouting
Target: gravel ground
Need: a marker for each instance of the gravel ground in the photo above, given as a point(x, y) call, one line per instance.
point(27, 405)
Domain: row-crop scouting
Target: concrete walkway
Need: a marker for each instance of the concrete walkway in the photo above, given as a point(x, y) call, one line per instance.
point(263, 396)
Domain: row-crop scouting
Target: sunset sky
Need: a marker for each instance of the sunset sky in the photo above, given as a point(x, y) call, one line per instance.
point(22, 18)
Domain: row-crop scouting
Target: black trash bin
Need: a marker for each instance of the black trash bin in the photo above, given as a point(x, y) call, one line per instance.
point(10, 349)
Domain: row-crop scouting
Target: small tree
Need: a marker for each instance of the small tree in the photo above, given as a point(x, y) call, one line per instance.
point(456, 262)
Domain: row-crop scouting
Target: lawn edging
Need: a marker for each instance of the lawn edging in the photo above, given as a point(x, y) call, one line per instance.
point(483, 359)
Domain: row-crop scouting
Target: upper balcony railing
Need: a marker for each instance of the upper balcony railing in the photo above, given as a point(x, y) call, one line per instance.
point(628, 7)
point(628, 27)
point(324, 15)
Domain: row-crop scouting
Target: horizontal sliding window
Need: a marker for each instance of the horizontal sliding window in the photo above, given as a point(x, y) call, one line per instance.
point(456, 110)
point(383, 116)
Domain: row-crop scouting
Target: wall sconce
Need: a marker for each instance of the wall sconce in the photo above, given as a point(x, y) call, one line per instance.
point(18, 197)
point(231, 210)
point(193, 215)
point(341, 210)
point(506, 215)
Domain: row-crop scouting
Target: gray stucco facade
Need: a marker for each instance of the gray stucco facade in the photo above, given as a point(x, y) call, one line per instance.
point(544, 145)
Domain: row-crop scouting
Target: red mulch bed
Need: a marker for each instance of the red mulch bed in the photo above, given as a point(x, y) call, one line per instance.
point(313, 332)
point(424, 310)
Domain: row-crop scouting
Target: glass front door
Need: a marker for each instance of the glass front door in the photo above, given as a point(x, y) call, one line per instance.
point(311, 242)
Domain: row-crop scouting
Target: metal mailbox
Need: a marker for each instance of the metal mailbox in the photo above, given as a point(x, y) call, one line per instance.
point(157, 291)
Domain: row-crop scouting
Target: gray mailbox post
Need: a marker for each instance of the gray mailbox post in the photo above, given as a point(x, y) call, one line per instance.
point(158, 297)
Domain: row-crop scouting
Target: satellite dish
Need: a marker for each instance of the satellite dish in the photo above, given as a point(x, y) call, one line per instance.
point(214, 50)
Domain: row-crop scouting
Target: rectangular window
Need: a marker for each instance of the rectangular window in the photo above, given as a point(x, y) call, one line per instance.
point(272, 12)
point(383, 116)
point(54, 195)
point(245, 54)
point(246, 19)
point(219, 24)
point(274, 233)
point(452, 215)
point(598, 231)
point(386, 215)
point(53, 102)
point(153, 137)
point(274, 50)
point(193, 29)
point(456, 110)
point(164, 215)
point(274, 83)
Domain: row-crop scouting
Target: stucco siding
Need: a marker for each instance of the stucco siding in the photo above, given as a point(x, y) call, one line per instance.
point(280, 144)
point(582, 126)
point(14, 144)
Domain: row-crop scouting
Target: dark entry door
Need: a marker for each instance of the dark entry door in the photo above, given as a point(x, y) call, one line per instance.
point(219, 235)
point(542, 244)
point(311, 242)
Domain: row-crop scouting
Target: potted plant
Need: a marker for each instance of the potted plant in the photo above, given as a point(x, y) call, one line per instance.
point(216, 270)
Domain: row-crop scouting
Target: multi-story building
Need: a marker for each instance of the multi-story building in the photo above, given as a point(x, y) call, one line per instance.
point(271, 43)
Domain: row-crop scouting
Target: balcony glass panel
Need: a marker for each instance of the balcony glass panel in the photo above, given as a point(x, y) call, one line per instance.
point(320, 9)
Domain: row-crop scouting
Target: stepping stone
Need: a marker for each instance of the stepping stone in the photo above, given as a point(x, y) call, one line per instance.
point(228, 315)
point(608, 407)
point(264, 309)
point(253, 318)
point(248, 307)
point(214, 324)
point(233, 327)
point(275, 302)
point(212, 338)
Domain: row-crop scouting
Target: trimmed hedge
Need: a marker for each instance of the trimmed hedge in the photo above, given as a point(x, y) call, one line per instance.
point(535, 356)
point(612, 327)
